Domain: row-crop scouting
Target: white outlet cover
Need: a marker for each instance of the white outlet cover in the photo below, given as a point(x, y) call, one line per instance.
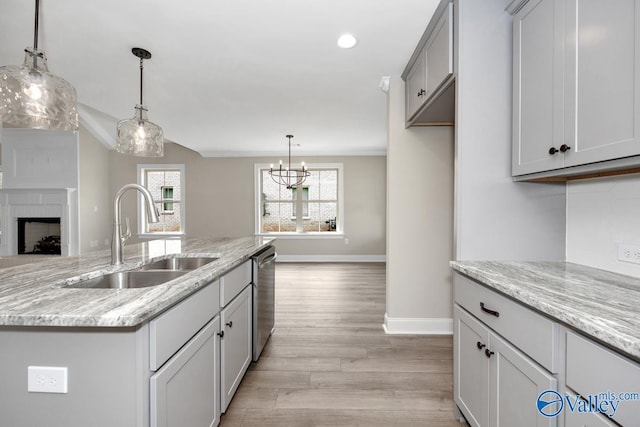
point(47, 379)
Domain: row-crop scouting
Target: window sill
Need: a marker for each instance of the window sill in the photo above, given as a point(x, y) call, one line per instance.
point(152, 236)
point(309, 235)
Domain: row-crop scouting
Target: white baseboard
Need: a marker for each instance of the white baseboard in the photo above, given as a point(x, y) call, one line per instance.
point(419, 326)
point(332, 258)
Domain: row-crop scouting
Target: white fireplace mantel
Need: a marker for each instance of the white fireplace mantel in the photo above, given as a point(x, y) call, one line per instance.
point(39, 203)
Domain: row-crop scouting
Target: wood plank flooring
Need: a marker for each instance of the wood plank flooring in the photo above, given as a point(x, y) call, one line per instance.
point(329, 362)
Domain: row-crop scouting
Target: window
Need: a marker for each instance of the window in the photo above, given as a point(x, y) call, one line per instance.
point(319, 199)
point(165, 183)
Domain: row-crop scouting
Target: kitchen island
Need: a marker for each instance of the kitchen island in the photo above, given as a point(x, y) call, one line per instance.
point(128, 354)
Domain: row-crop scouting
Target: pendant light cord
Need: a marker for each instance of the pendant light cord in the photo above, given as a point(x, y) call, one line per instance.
point(141, 104)
point(35, 32)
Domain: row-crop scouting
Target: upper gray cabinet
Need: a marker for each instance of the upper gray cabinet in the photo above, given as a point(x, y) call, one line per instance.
point(429, 92)
point(576, 88)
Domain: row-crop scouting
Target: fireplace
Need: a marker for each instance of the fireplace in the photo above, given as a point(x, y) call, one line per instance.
point(39, 236)
point(42, 221)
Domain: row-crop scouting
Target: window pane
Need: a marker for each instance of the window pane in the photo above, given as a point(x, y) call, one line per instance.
point(169, 223)
point(329, 185)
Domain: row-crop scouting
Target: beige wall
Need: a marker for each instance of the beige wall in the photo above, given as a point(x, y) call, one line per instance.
point(220, 199)
point(419, 223)
point(94, 194)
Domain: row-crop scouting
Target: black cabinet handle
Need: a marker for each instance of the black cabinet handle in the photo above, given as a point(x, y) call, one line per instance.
point(221, 334)
point(486, 310)
point(553, 150)
point(564, 148)
point(488, 353)
point(422, 92)
point(480, 345)
point(229, 324)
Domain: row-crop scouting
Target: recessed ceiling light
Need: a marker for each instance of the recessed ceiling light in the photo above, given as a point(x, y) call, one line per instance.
point(347, 41)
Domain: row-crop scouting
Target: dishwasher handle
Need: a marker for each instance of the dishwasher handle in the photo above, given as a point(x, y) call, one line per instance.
point(268, 260)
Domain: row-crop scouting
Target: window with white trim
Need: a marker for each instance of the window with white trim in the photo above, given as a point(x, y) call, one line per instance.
point(319, 198)
point(166, 184)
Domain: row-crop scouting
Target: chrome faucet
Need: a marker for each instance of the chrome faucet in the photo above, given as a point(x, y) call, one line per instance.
point(118, 238)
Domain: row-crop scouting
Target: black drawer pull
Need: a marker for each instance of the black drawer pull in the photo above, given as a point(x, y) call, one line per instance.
point(488, 353)
point(480, 345)
point(486, 310)
point(229, 324)
point(221, 334)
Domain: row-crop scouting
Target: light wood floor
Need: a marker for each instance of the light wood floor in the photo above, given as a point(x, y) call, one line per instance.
point(329, 362)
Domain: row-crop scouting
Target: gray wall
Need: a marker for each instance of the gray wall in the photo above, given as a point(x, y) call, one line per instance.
point(419, 224)
point(220, 199)
point(496, 218)
point(94, 194)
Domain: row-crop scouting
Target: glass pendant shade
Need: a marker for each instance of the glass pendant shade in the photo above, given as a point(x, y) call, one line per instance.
point(140, 137)
point(32, 97)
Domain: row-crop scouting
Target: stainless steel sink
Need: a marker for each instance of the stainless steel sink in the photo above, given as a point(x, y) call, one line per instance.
point(129, 279)
point(178, 263)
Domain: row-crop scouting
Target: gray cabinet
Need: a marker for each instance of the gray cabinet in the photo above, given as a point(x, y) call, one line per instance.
point(236, 345)
point(185, 391)
point(429, 74)
point(576, 87)
point(184, 352)
point(496, 381)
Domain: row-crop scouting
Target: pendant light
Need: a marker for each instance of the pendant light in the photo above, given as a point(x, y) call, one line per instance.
point(289, 177)
point(32, 97)
point(138, 136)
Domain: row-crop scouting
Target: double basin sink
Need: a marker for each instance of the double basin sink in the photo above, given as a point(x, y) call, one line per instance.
point(152, 274)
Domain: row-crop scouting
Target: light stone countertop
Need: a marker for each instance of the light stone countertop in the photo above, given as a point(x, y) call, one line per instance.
point(33, 294)
point(598, 303)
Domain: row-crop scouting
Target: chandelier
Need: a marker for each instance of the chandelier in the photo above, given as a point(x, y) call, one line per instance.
point(32, 97)
point(289, 177)
point(138, 136)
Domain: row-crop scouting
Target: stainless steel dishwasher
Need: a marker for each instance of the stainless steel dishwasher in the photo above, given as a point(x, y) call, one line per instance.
point(264, 283)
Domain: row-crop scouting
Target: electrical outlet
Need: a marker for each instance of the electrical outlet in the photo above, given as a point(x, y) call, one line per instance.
point(46, 379)
point(629, 253)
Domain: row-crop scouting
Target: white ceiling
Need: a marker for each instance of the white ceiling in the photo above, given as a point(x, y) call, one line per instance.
point(228, 77)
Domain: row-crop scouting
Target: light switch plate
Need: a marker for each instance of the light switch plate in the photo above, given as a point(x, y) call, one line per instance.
point(46, 379)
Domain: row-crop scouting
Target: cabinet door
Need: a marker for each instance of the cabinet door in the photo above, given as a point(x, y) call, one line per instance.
point(515, 384)
point(415, 87)
point(588, 419)
point(439, 52)
point(186, 390)
point(537, 87)
point(471, 368)
point(602, 119)
point(236, 344)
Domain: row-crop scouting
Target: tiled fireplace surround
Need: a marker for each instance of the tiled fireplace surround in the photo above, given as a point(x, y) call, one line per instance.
point(40, 180)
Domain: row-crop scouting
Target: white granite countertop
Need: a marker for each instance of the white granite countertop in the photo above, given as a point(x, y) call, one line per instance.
point(598, 303)
point(33, 294)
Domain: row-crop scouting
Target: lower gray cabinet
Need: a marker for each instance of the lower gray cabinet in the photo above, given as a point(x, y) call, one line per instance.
point(236, 344)
point(186, 390)
point(494, 383)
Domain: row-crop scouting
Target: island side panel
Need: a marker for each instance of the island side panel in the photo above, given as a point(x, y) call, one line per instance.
point(108, 376)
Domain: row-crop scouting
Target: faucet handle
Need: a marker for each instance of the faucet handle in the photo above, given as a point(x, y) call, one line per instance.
point(127, 233)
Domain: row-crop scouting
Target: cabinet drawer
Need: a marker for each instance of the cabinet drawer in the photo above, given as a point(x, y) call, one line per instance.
point(172, 329)
point(532, 333)
point(233, 282)
point(586, 419)
point(593, 369)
